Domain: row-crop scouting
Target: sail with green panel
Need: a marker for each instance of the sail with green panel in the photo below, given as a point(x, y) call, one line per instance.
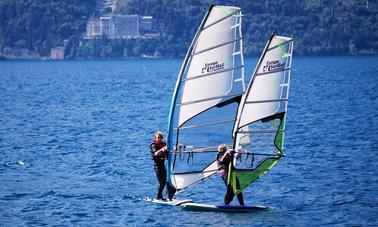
point(262, 115)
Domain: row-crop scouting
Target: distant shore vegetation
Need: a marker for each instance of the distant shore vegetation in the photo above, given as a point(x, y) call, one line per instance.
point(30, 28)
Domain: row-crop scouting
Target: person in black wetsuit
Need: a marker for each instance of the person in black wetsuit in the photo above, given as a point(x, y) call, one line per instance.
point(158, 151)
point(224, 158)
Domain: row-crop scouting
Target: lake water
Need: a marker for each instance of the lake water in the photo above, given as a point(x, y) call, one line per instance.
point(74, 138)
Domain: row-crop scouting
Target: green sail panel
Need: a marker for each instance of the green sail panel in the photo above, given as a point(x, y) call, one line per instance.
point(280, 136)
point(240, 179)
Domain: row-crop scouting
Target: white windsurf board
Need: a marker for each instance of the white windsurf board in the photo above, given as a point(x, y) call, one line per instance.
point(174, 202)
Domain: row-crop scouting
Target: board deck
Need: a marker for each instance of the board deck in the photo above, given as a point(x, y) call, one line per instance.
point(174, 202)
point(221, 208)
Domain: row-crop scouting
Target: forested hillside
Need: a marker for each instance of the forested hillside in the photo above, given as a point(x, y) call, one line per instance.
point(38, 25)
point(328, 27)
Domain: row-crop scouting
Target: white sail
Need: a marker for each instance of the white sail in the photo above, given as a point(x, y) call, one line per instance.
point(206, 97)
point(269, 89)
point(184, 180)
point(212, 53)
point(261, 115)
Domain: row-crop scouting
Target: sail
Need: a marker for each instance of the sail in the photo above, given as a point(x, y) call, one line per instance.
point(261, 115)
point(206, 97)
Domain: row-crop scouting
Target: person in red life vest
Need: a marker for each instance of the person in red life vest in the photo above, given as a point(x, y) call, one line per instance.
point(158, 151)
point(224, 158)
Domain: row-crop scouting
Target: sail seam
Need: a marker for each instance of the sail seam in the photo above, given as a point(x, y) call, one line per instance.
point(266, 101)
point(260, 131)
point(208, 99)
point(258, 154)
point(275, 71)
point(216, 46)
point(194, 172)
point(207, 124)
point(276, 46)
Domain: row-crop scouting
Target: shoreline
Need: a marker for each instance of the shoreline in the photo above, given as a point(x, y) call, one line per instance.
point(2, 58)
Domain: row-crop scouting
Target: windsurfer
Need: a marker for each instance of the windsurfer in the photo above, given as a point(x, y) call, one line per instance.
point(224, 158)
point(158, 152)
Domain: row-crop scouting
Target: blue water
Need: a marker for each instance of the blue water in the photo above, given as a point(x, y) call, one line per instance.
point(74, 139)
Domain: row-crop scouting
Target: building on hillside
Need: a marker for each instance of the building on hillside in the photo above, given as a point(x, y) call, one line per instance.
point(57, 53)
point(121, 27)
point(106, 26)
point(146, 23)
point(94, 28)
point(125, 26)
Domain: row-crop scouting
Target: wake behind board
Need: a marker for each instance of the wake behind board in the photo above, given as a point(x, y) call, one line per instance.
point(174, 202)
point(221, 208)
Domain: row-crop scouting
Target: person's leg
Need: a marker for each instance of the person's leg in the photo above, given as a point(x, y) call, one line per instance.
point(229, 196)
point(160, 176)
point(240, 198)
point(164, 179)
point(170, 190)
point(240, 195)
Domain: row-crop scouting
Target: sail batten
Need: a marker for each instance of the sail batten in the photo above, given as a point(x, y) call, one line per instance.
point(216, 46)
point(272, 72)
point(265, 101)
point(281, 44)
point(260, 131)
point(206, 124)
point(213, 73)
point(207, 99)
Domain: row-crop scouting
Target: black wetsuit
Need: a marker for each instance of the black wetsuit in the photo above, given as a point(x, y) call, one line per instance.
point(160, 170)
point(225, 165)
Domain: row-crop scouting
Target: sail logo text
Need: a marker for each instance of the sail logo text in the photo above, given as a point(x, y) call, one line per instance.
point(273, 66)
point(212, 67)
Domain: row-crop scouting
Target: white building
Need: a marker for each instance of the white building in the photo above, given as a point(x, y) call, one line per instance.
point(57, 53)
point(146, 23)
point(125, 26)
point(120, 26)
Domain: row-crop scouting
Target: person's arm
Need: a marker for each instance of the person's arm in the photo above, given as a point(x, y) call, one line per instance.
point(228, 152)
point(161, 151)
point(156, 152)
